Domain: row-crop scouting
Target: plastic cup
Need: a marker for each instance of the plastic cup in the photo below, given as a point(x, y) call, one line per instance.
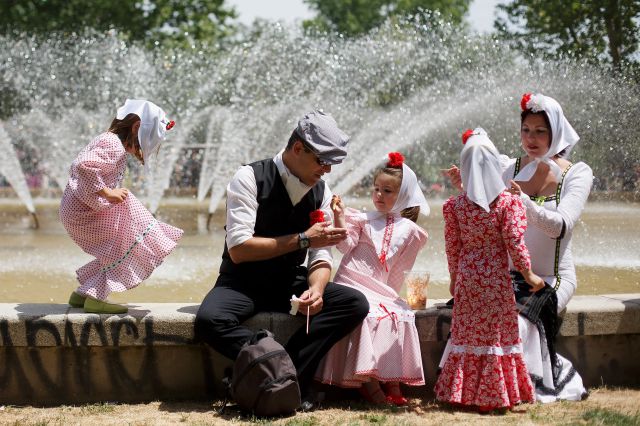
point(416, 283)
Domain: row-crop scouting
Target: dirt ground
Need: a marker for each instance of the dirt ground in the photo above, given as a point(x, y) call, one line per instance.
point(603, 407)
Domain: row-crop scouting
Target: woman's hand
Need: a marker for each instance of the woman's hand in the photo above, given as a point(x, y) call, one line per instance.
point(533, 280)
point(453, 173)
point(114, 196)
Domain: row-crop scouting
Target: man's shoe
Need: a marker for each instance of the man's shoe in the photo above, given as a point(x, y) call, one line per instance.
point(307, 406)
point(76, 300)
point(95, 306)
point(311, 402)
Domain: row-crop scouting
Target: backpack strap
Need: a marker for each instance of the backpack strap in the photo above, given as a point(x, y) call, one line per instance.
point(540, 201)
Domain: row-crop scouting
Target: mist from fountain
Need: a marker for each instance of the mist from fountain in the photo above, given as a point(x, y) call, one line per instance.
point(411, 86)
point(10, 168)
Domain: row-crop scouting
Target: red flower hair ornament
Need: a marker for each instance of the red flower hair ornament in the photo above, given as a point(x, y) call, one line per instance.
point(533, 102)
point(395, 160)
point(170, 125)
point(524, 101)
point(316, 216)
point(466, 135)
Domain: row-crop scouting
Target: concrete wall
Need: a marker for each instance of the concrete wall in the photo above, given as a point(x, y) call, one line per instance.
point(51, 354)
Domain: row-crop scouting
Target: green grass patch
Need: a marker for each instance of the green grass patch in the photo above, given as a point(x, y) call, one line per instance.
point(374, 418)
point(602, 416)
point(308, 421)
point(99, 408)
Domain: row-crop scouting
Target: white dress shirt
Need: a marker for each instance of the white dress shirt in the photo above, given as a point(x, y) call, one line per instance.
point(242, 206)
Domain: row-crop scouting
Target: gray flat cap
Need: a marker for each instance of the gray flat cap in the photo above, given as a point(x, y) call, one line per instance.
point(321, 133)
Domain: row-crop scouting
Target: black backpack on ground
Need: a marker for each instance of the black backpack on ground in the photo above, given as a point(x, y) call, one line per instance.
point(264, 380)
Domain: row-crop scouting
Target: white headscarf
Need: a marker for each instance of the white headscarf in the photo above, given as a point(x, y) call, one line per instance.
point(410, 194)
point(480, 169)
point(562, 134)
point(153, 125)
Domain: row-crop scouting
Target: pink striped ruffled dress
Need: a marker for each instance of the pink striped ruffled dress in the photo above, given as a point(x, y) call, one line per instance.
point(386, 346)
point(485, 365)
point(126, 240)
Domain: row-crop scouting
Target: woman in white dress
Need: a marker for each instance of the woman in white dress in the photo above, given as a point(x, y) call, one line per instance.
point(554, 193)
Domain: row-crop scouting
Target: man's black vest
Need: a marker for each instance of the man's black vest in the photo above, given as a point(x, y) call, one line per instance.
point(276, 216)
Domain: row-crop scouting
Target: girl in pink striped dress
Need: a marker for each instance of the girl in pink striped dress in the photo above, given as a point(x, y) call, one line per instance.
point(484, 365)
point(106, 220)
point(379, 248)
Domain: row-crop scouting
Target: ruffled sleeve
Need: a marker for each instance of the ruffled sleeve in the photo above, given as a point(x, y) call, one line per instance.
point(452, 242)
point(514, 224)
point(355, 221)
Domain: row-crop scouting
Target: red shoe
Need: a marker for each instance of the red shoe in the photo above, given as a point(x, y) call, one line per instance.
point(397, 400)
point(394, 395)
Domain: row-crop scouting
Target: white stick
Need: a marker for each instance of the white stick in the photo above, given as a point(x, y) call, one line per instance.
point(307, 319)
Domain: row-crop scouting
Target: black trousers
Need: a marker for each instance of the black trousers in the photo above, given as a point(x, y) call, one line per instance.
point(234, 299)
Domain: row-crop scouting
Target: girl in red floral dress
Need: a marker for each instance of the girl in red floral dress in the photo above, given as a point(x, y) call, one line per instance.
point(484, 366)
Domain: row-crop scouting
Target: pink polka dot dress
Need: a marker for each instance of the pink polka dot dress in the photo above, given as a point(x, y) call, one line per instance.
point(386, 346)
point(128, 243)
point(485, 365)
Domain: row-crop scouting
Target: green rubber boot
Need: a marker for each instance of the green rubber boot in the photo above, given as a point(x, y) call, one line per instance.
point(76, 300)
point(95, 306)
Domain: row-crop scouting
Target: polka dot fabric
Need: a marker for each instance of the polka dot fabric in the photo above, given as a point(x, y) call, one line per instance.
point(486, 367)
point(126, 240)
point(386, 346)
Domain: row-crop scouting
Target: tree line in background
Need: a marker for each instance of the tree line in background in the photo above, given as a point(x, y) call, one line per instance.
point(601, 31)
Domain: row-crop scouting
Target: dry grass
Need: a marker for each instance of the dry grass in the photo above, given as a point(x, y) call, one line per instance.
point(604, 407)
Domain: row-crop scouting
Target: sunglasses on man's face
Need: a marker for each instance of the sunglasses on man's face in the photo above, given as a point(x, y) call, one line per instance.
point(318, 160)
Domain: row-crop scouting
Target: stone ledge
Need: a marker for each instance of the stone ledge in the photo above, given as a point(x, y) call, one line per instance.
point(52, 354)
point(35, 325)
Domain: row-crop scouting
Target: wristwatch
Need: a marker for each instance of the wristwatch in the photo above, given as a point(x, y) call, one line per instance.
point(303, 241)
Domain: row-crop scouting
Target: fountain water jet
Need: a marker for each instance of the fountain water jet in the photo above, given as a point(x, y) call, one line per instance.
point(11, 170)
point(413, 86)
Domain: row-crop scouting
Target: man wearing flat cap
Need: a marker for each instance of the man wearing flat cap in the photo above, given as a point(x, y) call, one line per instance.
point(269, 233)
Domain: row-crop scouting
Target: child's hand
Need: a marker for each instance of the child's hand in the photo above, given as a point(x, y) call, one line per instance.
point(114, 196)
point(515, 188)
point(453, 173)
point(533, 280)
point(337, 206)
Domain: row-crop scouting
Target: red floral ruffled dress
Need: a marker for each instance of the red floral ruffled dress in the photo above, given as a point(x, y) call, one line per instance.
point(485, 367)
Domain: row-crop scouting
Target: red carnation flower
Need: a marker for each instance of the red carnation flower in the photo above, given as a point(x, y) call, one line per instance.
point(525, 100)
point(395, 160)
point(170, 124)
point(316, 216)
point(466, 135)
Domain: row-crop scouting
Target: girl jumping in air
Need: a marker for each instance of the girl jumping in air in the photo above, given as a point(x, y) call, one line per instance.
point(105, 219)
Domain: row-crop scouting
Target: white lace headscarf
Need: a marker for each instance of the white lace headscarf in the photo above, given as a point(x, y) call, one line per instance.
point(480, 170)
point(153, 125)
point(563, 136)
point(410, 194)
